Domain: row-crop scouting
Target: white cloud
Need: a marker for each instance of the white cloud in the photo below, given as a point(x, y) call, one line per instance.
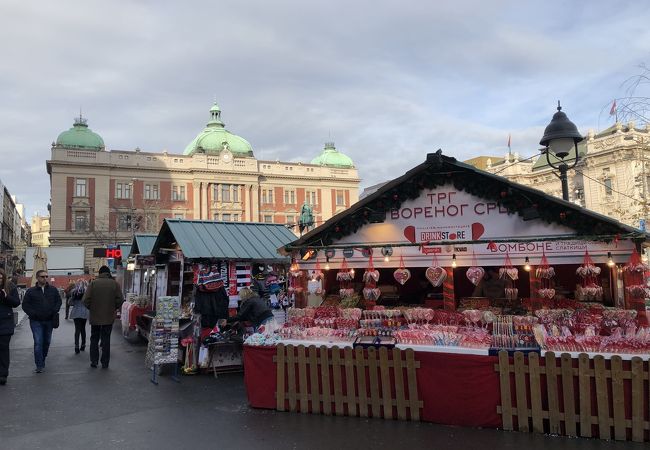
point(387, 81)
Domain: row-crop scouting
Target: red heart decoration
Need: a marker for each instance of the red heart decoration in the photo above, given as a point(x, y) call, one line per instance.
point(477, 230)
point(402, 275)
point(436, 275)
point(409, 233)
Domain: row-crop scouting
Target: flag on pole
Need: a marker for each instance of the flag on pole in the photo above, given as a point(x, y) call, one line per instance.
point(612, 111)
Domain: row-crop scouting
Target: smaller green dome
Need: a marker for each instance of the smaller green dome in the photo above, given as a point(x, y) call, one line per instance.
point(80, 136)
point(332, 157)
point(214, 138)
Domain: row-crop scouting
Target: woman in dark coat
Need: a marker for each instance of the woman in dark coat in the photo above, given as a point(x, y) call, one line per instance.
point(8, 301)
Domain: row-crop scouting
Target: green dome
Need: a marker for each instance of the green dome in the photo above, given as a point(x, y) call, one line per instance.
point(214, 138)
point(80, 136)
point(332, 157)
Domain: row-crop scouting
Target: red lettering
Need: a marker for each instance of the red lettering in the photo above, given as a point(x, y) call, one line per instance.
point(416, 211)
point(441, 196)
point(478, 209)
point(452, 210)
point(113, 253)
point(394, 214)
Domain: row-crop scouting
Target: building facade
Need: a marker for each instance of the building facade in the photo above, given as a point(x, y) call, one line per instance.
point(15, 234)
point(101, 197)
point(612, 176)
point(40, 231)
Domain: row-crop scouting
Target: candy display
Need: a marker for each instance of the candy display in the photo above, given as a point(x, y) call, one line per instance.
point(590, 290)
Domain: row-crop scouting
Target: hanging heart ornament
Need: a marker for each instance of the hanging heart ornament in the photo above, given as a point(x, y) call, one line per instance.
point(402, 275)
point(436, 275)
point(475, 274)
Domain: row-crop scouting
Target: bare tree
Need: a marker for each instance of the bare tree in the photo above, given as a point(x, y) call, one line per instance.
point(634, 105)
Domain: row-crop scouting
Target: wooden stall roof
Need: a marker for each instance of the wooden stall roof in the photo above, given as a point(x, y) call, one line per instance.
point(244, 241)
point(439, 169)
point(142, 244)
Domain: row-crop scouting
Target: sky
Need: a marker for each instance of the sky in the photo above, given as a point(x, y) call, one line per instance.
point(387, 81)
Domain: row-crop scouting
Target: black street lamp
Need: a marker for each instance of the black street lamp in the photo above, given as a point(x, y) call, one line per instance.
point(560, 137)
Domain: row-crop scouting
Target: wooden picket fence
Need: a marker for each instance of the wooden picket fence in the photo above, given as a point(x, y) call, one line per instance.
point(556, 407)
point(348, 382)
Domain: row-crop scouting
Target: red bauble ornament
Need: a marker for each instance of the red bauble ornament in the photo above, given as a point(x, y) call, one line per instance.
point(504, 194)
point(562, 215)
point(337, 229)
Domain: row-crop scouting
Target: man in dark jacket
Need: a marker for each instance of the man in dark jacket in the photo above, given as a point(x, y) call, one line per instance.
point(102, 298)
point(8, 300)
point(253, 309)
point(41, 303)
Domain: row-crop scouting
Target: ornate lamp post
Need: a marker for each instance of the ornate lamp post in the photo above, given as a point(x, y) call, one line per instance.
point(560, 137)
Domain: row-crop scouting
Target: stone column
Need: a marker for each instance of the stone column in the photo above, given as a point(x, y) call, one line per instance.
point(196, 195)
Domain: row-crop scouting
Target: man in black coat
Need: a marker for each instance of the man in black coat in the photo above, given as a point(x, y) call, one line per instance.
point(41, 303)
point(8, 300)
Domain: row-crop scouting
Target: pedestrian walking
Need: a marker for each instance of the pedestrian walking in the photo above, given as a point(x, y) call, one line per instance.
point(42, 303)
point(103, 298)
point(79, 314)
point(68, 298)
point(8, 301)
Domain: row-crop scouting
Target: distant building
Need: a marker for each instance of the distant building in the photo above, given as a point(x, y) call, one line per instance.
point(612, 176)
point(41, 231)
point(14, 232)
point(102, 197)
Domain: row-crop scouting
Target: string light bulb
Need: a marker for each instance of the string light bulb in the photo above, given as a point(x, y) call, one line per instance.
point(327, 263)
point(351, 271)
point(527, 264)
point(610, 261)
point(453, 261)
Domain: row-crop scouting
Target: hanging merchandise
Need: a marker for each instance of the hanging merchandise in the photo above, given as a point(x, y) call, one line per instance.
point(295, 285)
point(207, 277)
point(634, 277)
point(545, 272)
point(370, 278)
point(315, 284)
point(345, 276)
point(475, 273)
point(510, 274)
point(402, 274)
point(435, 274)
point(590, 290)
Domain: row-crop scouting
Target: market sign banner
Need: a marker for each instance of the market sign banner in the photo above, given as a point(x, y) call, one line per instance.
point(447, 214)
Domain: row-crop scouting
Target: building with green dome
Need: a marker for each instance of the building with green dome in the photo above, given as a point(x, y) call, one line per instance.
point(214, 138)
point(101, 197)
point(80, 136)
point(333, 158)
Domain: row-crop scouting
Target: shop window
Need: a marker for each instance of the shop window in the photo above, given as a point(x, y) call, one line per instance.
point(80, 187)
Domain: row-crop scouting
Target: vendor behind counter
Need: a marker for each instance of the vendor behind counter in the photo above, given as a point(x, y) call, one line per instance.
point(491, 286)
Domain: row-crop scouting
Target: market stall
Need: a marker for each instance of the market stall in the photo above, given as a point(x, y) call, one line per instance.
point(138, 285)
point(205, 264)
point(458, 265)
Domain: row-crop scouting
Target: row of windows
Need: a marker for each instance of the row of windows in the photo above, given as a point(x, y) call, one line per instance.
point(226, 217)
point(220, 192)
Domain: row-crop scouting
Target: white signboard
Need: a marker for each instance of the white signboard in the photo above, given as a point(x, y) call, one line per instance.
point(446, 214)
